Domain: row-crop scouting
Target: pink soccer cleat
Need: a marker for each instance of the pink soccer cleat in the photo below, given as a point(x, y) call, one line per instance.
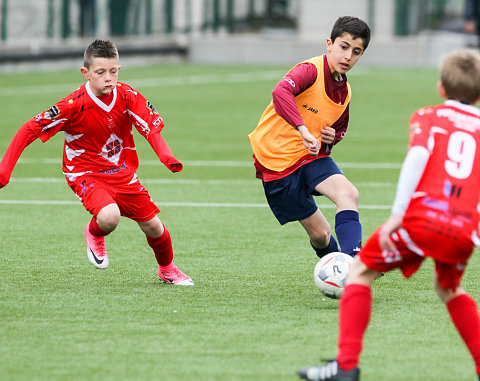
point(175, 276)
point(96, 252)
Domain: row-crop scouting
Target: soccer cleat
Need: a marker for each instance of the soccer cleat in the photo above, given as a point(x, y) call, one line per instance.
point(329, 371)
point(175, 276)
point(96, 252)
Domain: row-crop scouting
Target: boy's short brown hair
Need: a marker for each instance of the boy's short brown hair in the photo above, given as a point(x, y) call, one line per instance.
point(99, 48)
point(460, 76)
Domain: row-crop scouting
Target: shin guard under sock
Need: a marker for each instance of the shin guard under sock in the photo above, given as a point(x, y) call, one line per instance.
point(162, 247)
point(348, 231)
point(464, 314)
point(355, 310)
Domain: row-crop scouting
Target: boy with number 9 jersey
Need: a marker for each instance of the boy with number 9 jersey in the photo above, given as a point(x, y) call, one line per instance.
point(435, 215)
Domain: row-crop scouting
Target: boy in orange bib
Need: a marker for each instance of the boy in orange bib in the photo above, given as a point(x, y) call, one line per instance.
point(292, 143)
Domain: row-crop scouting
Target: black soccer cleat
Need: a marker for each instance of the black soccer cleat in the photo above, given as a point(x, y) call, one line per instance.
point(329, 371)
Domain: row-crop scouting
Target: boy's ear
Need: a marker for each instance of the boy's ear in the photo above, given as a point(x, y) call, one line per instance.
point(441, 90)
point(329, 44)
point(84, 72)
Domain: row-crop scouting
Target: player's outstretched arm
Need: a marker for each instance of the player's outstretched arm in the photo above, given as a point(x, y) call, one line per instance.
point(161, 148)
point(20, 141)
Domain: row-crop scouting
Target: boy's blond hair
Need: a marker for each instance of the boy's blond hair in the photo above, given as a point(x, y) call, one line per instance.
point(460, 76)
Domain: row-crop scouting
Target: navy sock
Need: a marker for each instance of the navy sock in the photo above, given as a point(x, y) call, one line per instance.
point(349, 231)
point(330, 248)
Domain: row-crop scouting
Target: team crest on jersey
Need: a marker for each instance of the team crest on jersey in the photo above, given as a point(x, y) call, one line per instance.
point(51, 113)
point(150, 106)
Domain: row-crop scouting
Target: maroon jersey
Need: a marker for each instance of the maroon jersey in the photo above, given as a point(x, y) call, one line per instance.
point(448, 192)
point(98, 135)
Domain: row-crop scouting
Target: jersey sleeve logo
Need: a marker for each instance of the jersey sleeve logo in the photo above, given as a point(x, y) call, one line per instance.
point(51, 113)
point(290, 81)
point(152, 109)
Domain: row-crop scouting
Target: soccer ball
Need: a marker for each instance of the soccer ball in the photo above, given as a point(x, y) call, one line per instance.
point(331, 272)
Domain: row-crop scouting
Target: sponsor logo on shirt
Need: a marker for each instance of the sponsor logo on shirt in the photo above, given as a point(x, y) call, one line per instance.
point(113, 170)
point(309, 108)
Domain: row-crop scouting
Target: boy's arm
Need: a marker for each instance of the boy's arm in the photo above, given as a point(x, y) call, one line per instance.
point(24, 137)
point(163, 152)
point(300, 78)
point(148, 123)
point(410, 175)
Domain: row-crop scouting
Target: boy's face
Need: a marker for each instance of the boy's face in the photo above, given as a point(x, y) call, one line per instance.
point(343, 53)
point(102, 75)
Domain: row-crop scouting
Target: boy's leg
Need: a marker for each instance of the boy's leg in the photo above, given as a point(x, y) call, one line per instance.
point(100, 226)
point(464, 314)
point(347, 222)
point(318, 229)
point(349, 231)
point(461, 307)
point(159, 239)
point(354, 310)
point(97, 198)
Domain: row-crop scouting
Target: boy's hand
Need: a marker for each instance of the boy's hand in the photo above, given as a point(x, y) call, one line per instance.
point(327, 135)
point(392, 224)
point(4, 178)
point(309, 141)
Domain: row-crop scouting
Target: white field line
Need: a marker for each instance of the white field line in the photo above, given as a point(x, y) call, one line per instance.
point(179, 204)
point(218, 163)
point(140, 83)
point(254, 182)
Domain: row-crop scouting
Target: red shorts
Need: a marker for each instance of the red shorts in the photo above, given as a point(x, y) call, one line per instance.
point(131, 197)
point(413, 246)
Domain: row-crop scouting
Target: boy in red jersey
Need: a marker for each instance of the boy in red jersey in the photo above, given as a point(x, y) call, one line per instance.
point(292, 143)
point(99, 156)
point(435, 214)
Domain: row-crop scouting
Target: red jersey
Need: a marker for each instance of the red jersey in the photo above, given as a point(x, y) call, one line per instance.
point(99, 136)
point(447, 195)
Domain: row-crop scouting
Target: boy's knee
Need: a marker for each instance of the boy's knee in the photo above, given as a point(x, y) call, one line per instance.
point(447, 294)
point(153, 227)
point(347, 197)
point(352, 194)
point(109, 217)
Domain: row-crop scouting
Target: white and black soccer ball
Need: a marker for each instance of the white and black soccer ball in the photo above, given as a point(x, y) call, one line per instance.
point(331, 272)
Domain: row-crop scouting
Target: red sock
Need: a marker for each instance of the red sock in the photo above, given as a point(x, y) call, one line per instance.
point(95, 229)
point(162, 247)
point(464, 314)
point(355, 308)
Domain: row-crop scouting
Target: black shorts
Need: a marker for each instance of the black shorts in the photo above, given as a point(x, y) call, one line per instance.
point(291, 197)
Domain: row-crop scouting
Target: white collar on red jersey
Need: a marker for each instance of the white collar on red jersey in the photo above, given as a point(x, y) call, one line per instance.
point(102, 105)
point(462, 106)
